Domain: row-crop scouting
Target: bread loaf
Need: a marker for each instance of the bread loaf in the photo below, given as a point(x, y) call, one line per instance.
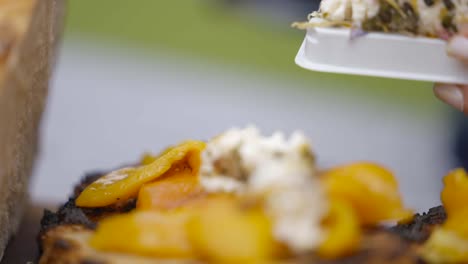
point(29, 33)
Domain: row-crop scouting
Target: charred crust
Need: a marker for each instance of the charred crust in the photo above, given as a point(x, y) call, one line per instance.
point(91, 261)
point(62, 244)
point(67, 214)
point(70, 214)
point(419, 229)
point(94, 214)
point(378, 246)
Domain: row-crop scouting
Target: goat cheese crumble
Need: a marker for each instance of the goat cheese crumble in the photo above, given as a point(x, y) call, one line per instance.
point(280, 170)
point(350, 10)
point(435, 18)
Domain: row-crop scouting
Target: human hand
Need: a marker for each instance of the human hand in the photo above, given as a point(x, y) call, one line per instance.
point(456, 95)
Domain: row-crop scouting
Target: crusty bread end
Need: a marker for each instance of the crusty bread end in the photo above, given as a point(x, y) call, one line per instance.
point(29, 33)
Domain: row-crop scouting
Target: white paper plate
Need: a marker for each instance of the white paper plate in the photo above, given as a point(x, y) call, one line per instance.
point(379, 54)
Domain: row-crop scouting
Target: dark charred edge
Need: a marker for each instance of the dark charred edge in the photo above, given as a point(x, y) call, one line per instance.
point(91, 261)
point(94, 214)
point(67, 214)
point(392, 249)
point(70, 214)
point(419, 229)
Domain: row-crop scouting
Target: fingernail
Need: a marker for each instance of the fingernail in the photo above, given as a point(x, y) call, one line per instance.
point(457, 47)
point(463, 29)
point(450, 94)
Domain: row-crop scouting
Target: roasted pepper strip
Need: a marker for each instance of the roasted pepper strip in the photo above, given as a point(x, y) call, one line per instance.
point(343, 231)
point(449, 243)
point(371, 189)
point(223, 232)
point(176, 188)
point(125, 183)
point(454, 196)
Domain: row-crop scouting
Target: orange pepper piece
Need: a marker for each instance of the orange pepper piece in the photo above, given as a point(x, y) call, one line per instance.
point(150, 233)
point(454, 196)
point(125, 183)
point(344, 231)
point(176, 188)
point(371, 189)
point(449, 242)
point(222, 232)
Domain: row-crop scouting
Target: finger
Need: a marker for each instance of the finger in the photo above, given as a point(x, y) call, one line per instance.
point(458, 48)
point(463, 29)
point(454, 95)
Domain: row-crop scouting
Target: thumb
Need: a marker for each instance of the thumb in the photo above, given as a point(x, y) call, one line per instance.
point(458, 47)
point(454, 95)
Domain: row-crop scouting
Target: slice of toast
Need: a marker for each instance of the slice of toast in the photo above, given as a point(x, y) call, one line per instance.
point(29, 34)
point(65, 233)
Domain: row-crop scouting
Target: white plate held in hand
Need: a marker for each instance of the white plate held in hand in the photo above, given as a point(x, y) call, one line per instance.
point(380, 54)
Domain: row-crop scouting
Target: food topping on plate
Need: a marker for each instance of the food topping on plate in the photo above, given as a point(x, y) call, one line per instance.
point(431, 18)
point(371, 189)
point(449, 242)
point(125, 183)
point(281, 172)
point(246, 198)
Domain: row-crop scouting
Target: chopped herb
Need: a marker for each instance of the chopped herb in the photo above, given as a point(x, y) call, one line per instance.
point(391, 20)
point(408, 9)
point(386, 16)
point(447, 23)
point(449, 4)
point(429, 2)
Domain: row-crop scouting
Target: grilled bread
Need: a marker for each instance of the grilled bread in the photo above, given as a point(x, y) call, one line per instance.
point(65, 234)
point(245, 198)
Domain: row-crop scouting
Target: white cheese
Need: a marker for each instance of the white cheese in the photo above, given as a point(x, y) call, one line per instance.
point(461, 15)
point(221, 184)
point(429, 17)
point(349, 10)
point(281, 171)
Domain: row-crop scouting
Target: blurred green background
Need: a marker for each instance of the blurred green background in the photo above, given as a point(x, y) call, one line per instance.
point(209, 31)
point(136, 76)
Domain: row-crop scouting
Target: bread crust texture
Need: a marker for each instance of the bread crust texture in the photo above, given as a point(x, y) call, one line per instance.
point(29, 35)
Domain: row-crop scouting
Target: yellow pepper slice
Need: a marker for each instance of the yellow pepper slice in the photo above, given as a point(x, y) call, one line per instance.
point(150, 233)
point(371, 189)
point(344, 231)
point(149, 158)
point(445, 246)
point(454, 196)
point(222, 232)
point(449, 243)
point(125, 183)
